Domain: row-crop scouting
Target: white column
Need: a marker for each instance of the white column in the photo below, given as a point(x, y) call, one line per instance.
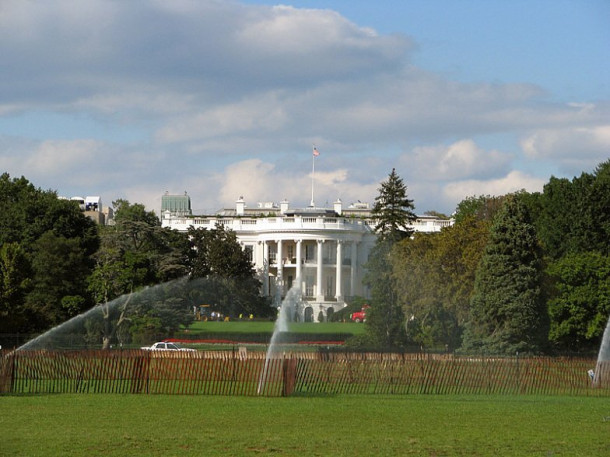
point(319, 291)
point(279, 281)
point(265, 269)
point(354, 268)
point(339, 286)
point(299, 266)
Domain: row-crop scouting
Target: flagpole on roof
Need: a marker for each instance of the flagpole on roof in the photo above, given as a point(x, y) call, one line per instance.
point(314, 154)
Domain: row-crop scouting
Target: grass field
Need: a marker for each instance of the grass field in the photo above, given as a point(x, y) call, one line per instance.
point(267, 326)
point(419, 425)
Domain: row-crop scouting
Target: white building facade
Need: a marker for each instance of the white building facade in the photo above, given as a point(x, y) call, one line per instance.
point(321, 252)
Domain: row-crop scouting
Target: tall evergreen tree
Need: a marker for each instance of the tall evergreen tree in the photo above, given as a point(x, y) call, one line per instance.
point(508, 313)
point(385, 318)
point(393, 211)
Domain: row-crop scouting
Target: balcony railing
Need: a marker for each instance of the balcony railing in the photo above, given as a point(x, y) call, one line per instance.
point(294, 223)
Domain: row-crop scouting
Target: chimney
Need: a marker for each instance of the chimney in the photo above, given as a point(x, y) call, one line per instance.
point(284, 206)
point(240, 206)
point(338, 206)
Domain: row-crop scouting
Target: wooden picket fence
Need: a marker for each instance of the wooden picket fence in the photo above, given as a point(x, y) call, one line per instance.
point(248, 373)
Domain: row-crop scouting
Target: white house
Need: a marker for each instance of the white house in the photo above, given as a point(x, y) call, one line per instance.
point(322, 251)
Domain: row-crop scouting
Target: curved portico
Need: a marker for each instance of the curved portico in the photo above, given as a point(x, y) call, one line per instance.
point(324, 265)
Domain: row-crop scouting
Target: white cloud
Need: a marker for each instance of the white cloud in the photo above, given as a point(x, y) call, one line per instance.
point(512, 182)
point(459, 160)
point(251, 179)
point(575, 149)
point(260, 114)
point(56, 156)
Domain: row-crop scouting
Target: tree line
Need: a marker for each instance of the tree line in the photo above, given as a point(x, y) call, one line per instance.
point(518, 273)
point(524, 272)
point(56, 263)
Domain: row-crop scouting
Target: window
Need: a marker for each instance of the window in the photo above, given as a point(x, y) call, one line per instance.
point(309, 252)
point(330, 253)
point(330, 286)
point(249, 252)
point(309, 286)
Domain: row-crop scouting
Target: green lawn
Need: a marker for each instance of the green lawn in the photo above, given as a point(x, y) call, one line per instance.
point(160, 425)
point(267, 326)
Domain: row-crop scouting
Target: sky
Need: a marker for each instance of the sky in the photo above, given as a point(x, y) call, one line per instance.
point(225, 99)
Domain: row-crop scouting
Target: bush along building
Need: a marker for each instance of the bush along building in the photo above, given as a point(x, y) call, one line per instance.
point(320, 251)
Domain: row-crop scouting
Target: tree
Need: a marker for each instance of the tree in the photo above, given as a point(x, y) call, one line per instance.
point(580, 300)
point(508, 312)
point(52, 241)
point(385, 318)
point(434, 278)
point(231, 284)
point(59, 281)
point(15, 282)
point(133, 212)
point(110, 280)
point(599, 210)
point(482, 208)
point(135, 253)
point(27, 212)
point(418, 284)
point(393, 211)
point(217, 252)
point(393, 214)
point(559, 210)
point(574, 216)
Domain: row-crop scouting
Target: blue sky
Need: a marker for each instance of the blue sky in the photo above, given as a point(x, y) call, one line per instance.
point(225, 98)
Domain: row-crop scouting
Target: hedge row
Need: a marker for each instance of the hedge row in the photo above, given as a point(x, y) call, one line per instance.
point(264, 337)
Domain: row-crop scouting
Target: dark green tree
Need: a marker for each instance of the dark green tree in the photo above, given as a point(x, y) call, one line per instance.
point(134, 212)
point(393, 216)
point(579, 305)
point(59, 281)
point(231, 284)
point(27, 212)
point(15, 282)
point(508, 312)
point(393, 211)
point(385, 318)
point(560, 208)
point(574, 216)
point(33, 219)
point(598, 211)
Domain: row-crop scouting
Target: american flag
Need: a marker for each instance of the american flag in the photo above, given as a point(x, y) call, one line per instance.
point(316, 153)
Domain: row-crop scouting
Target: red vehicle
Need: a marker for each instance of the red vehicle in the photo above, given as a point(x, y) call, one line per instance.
point(360, 316)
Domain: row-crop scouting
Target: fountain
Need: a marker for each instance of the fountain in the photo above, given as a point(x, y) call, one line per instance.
point(601, 376)
point(105, 320)
point(288, 307)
